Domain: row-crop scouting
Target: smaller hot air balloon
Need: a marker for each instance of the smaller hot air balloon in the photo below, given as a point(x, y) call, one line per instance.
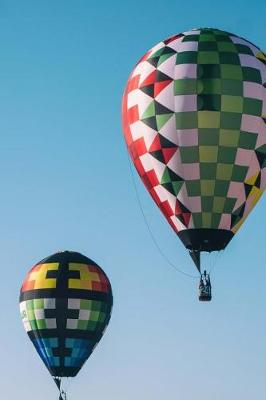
point(65, 304)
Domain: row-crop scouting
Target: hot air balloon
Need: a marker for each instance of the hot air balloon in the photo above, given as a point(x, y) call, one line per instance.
point(65, 304)
point(194, 114)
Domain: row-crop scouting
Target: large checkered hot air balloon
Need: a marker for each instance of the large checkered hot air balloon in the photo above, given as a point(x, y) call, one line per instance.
point(65, 304)
point(194, 113)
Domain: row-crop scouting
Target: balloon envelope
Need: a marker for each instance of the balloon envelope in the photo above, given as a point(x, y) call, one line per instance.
point(194, 112)
point(65, 305)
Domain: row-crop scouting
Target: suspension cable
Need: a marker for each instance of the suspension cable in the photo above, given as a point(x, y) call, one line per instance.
point(154, 240)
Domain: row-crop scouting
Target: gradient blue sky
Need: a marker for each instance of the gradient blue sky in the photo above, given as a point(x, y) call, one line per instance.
point(65, 184)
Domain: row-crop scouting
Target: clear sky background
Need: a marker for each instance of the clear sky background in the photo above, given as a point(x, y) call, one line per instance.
point(66, 184)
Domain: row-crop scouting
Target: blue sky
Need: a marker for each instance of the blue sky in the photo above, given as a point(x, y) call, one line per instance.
point(65, 184)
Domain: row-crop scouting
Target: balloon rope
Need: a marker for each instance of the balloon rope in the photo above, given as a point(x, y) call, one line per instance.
point(62, 393)
point(155, 242)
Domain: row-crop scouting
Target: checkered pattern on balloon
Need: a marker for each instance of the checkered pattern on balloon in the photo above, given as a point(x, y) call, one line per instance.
point(194, 114)
point(65, 308)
